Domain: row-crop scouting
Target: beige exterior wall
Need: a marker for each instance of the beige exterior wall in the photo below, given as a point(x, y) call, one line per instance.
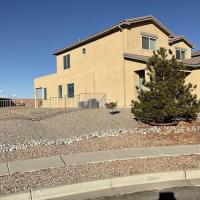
point(100, 70)
point(103, 69)
point(134, 41)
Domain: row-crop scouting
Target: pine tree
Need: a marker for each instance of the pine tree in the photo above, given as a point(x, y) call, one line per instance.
point(166, 97)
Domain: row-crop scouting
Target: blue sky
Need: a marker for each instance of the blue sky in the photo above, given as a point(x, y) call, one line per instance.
point(32, 29)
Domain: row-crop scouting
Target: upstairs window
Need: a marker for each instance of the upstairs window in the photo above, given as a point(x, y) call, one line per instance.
point(148, 43)
point(180, 54)
point(83, 51)
point(60, 91)
point(45, 93)
point(70, 90)
point(66, 61)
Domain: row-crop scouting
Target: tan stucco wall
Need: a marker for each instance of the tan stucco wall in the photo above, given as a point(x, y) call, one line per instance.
point(100, 70)
point(134, 41)
point(194, 78)
point(103, 69)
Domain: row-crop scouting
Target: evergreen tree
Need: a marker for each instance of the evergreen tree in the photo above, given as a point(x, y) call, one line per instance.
point(166, 97)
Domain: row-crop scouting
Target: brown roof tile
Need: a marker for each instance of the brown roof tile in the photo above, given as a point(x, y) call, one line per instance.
point(191, 62)
point(178, 39)
point(195, 62)
point(196, 53)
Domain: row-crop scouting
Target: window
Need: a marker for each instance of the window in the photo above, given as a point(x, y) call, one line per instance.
point(180, 54)
point(83, 51)
point(66, 61)
point(70, 90)
point(141, 78)
point(45, 93)
point(60, 91)
point(148, 43)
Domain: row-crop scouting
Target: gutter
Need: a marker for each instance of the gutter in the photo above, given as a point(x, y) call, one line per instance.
point(113, 186)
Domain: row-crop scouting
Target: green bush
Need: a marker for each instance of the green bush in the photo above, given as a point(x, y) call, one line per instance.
point(111, 105)
point(166, 97)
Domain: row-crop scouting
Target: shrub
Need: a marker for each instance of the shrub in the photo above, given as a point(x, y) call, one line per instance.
point(166, 97)
point(111, 105)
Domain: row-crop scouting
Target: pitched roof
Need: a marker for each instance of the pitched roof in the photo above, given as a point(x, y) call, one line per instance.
point(116, 27)
point(191, 62)
point(196, 53)
point(179, 38)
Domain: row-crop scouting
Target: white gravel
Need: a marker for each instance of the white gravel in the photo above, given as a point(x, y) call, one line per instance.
point(67, 128)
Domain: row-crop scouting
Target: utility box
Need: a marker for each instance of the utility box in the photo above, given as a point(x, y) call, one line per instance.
point(93, 103)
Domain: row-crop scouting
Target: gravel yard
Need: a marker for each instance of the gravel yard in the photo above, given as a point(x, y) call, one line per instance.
point(58, 124)
point(127, 140)
point(58, 132)
point(81, 173)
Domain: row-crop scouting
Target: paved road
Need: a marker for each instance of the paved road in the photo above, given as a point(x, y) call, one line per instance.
point(184, 193)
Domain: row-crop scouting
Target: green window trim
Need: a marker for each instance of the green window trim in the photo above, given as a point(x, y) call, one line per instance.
point(70, 90)
point(59, 91)
point(66, 61)
point(45, 93)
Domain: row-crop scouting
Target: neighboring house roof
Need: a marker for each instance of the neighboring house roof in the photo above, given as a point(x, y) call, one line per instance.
point(179, 39)
point(196, 53)
point(116, 27)
point(191, 62)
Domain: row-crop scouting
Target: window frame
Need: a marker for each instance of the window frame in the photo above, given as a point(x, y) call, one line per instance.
point(84, 51)
point(66, 61)
point(60, 91)
point(180, 51)
point(45, 93)
point(149, 43)
point(68, 90)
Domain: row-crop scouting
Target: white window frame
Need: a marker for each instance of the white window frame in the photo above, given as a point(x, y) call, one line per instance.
point(149, 37)
point(179, 49)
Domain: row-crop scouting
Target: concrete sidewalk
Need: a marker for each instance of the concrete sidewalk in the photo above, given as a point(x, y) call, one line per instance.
point(95, 157)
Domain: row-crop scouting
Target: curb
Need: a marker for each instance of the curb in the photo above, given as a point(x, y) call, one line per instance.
point(115, 185)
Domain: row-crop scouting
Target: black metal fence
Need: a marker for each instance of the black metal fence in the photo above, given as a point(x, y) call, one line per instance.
point(7, 102)
point(83, 100)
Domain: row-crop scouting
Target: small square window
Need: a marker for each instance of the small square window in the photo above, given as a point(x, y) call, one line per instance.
point(83, 51)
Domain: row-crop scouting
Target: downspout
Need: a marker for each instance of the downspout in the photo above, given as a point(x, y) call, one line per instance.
point(124, 75)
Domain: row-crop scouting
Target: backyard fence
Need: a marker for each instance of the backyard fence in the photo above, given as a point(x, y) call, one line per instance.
point(6, 102)
point(83, 100)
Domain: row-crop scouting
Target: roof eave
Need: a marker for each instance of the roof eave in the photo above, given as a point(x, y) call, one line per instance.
point(114, 28)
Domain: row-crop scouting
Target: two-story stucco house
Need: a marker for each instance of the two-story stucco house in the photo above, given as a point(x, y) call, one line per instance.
point(113, 62)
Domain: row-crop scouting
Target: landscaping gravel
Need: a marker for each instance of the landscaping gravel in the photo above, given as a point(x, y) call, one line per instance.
point(87, 172)
point(64, 125)
point(141, 137)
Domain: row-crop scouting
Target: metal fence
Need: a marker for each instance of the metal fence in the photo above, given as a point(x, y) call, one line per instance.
point(5, 103)
point(83, 100)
